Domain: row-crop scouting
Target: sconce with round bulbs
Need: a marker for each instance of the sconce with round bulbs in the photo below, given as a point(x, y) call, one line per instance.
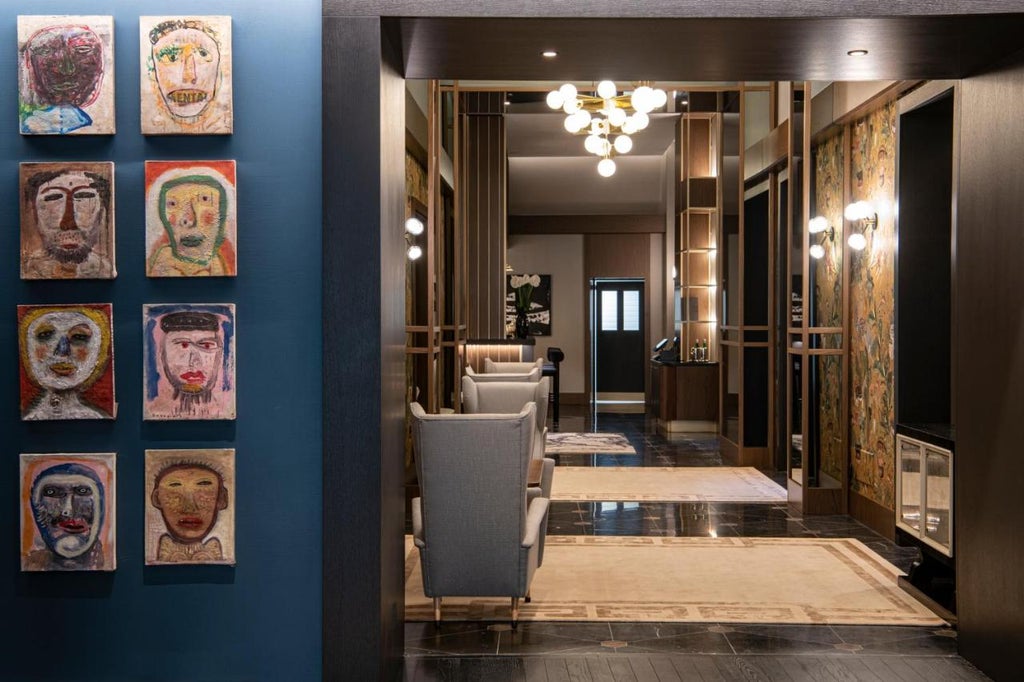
point(413, 228)
point(819, 225)
point(860, 212)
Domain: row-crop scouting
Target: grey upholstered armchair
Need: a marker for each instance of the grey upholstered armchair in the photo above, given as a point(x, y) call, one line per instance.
point(477, 529)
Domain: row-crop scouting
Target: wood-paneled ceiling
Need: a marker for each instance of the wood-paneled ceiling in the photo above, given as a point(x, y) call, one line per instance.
point(715, 48)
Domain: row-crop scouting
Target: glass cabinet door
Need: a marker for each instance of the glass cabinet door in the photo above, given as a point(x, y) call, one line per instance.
point(909, 513)
point(938, 496)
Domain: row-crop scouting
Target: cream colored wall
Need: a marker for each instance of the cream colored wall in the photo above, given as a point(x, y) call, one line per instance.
point(561, 256)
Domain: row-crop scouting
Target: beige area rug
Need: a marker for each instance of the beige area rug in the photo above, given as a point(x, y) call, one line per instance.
point(575, 443)
point(664, 484)
point(710, 580)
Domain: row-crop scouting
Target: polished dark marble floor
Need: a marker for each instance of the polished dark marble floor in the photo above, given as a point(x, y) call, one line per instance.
point(557, 651)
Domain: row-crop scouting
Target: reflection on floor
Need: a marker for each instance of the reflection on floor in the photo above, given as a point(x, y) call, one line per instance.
point(683, 651)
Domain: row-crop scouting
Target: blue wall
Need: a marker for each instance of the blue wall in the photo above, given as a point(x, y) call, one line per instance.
point(261, 619)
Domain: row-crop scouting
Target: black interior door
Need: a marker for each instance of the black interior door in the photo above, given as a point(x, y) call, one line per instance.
point(619, 349)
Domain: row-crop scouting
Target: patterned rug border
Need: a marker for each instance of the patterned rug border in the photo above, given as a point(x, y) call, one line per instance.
point(770, 491)
point(872, 569)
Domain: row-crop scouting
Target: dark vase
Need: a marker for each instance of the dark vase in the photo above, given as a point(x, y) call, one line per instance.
point(522, 324)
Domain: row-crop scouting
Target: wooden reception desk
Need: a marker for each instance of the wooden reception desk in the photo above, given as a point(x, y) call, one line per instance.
point(684, 396)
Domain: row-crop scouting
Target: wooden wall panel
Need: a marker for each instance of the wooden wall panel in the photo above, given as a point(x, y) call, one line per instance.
point(484, 151)
point(363, 385)
point(989, 370)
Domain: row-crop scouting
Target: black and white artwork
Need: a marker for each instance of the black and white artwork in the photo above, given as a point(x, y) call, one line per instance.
point(538, 288)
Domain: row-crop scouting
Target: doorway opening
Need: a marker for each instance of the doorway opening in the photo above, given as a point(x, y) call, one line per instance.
point(618, 352)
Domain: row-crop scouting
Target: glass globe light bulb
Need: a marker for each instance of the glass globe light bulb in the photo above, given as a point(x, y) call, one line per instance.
point(592, 144)
point(817, 251)
point(606, 90)
point(660, 98)
point(414, 252)
point(623, 143)
point(583, 116)
point(606, 167)
point(570, 106)
point(628, 126)
point(642, 99)
point(414, 226)
point(817, 224)
point(572, 124)
point(641, 120)
point(857, 241)
point(617, 117)
point(568, 91)
point(555, 99)
point(859, 210)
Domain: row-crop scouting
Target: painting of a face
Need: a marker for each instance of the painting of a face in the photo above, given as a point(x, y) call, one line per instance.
point(67, 64)
point(187, 63)
point(66, 75)
point(186, 75)
point(63, 349)
point(66, 509)
point(192, 211)
point(69, 213)
point(67, 512)
point(66, 361)
point(188, 368)
point(190, 218)
point(192, 359)
point(190, 510)
point(189, 497)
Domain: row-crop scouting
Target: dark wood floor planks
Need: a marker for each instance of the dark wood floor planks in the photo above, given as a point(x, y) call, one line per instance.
point(690, 668)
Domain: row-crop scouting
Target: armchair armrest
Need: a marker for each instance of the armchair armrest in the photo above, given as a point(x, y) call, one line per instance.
point(535, 516)
point(417, 522)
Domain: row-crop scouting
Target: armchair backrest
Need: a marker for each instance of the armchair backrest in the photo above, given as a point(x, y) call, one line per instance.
point(508, 397)
point(492, 367)
point(532, 376)
point(473, 477)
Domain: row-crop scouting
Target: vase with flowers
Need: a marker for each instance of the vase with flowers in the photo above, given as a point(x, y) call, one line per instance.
point(523, 286)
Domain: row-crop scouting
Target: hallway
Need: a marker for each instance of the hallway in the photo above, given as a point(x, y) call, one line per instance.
point(683, 651)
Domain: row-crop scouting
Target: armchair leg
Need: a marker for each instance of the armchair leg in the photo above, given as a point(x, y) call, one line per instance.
point(515, 612)
point(437, 611)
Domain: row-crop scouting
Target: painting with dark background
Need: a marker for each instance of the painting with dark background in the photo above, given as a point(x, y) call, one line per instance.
point(540, 306)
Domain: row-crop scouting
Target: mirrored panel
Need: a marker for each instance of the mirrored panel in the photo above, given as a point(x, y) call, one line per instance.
point(824, 437)
point(909, 456)
point(795, 435)
point(731, 404)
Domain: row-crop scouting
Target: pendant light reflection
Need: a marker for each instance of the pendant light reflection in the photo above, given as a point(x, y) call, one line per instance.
point(819, 225)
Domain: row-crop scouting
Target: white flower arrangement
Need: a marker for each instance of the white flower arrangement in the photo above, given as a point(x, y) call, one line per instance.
point(524, 285)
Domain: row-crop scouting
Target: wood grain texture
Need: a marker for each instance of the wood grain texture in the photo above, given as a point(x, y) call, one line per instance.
point(365, 187)
point(989, 371)
point(585, 224)
point(665, 8)
point(693, 48)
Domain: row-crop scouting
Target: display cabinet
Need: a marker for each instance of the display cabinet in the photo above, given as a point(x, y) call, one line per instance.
point(924, 486)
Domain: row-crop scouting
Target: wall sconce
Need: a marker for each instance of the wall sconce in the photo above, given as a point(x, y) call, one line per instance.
point(819, 225)
point(860, 211)
point(413, 228)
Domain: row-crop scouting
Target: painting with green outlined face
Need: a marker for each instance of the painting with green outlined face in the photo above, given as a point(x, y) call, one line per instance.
point(190, 218)
point(186, 75)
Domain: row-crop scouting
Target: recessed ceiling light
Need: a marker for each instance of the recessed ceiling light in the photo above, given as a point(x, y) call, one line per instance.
point(507, 103)
point(857, 53)
point(550, 54)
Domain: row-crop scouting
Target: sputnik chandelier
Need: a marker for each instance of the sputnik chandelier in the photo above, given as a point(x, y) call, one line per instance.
point(607, 118)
